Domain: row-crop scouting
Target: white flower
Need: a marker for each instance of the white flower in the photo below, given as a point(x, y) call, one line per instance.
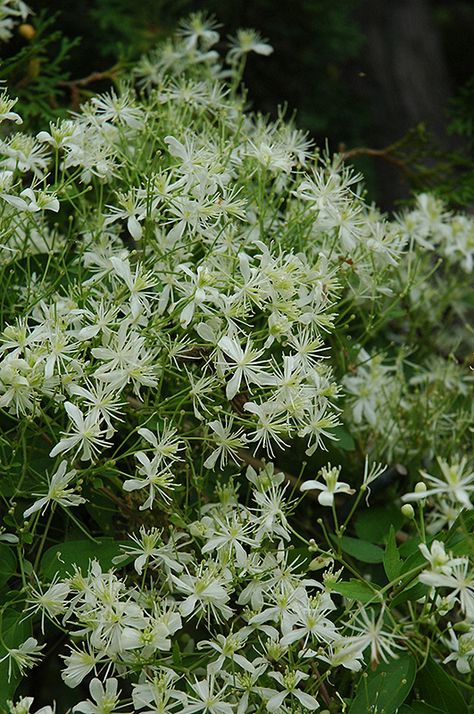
point(118, 109)
point(228, 537)
point(78, 664)
point(198, 29)
point(206, 593)
point(247, 41)
point(58, 492)
point(51, 602)
point(227, 648)
point(159, 481)
point(271, 424)
point(164, 443)
point(439, 560)
point(311, 621)
point(345, 652)
point(23, 706)
point(289, 680)
point(460, 581)
point(32, 202)
point(106, 699)
point(25, 656)
point(133, 208)
point(103, 401)
point(159, 693)
point(207, 700)
point(462, 650)
point(330, 487)
point(371, 634)
point(89, 436)
point(6, 105)
point(228, 443)
point(245, 365)
point(458, 483)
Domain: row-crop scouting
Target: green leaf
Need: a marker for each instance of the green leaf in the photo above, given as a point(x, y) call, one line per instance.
point(419, 708)
point(411, 594)
point(356, 590)
point(459, 537)
point(392, 562)
point(361, 549)
point(344, 439)
point(386, 688)
point(374, 523)
point(15, 630)
point(99, 507)
point(7, 563)
point(62, 558)
point(436, 687)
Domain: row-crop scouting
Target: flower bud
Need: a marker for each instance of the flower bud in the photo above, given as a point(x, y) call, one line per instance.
point(26, 30)
point(408, 510)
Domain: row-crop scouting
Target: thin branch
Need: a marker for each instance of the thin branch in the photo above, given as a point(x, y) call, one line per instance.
point(91, 78)
point(75, 85)
point(386, 154)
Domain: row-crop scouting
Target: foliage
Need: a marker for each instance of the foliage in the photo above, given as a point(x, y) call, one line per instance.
point(235, 409)
point(35, 71)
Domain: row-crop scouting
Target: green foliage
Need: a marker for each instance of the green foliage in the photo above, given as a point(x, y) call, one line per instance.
point(386, 688)
point(64, 558)
point(35, 72)
point(392, 562)
point(14, 631)
point(436, 688)
point(192, 297)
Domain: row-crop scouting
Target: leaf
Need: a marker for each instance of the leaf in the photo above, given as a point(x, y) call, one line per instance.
point(458, 538)
point(15, 630)
point(355, 590)
point(374, 523)
point(436, 687)
point(7, 563)
point(62, 558)
point(361, 549)
point(344, 439)
point(419, 708)
point(411, 594)
point(392, 562)
point(385, 689)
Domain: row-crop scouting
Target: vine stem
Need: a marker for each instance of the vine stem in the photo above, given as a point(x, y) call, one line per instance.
point(43, 540)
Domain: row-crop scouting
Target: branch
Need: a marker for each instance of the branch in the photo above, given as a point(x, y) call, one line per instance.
point(91, 78)
point(387, 154)
point(75, 85)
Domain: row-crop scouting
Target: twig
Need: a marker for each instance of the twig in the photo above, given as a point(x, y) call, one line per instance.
point(322, 687)
point(386, 154)
point(92, 77)
point(74, 85)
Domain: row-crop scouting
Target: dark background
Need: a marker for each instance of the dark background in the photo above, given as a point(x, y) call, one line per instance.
point(359, 73)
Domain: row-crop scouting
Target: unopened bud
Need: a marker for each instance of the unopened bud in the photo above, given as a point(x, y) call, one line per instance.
point(26, 30)
point(420, 487)
point(408, 510)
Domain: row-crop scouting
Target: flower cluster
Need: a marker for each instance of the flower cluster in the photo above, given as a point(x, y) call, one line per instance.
point(199, 311)
point(231, 566)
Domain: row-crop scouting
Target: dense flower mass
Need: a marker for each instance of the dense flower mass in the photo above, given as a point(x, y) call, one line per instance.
point(192, 295)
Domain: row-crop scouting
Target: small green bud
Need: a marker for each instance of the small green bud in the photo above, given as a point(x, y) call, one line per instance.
point(408, 510)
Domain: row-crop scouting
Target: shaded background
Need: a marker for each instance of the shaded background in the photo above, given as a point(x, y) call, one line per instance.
point(360, 73)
